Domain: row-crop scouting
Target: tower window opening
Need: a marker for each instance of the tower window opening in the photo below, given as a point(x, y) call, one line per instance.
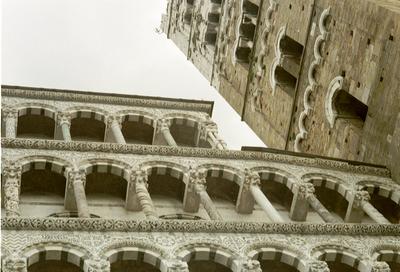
point(250, 8)
point(349, 107)
point(213, 17)
point(211, 38)
point(291, 49)
point(286, 81)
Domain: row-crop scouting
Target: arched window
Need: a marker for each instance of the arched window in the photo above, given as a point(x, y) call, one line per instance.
point(36, 122)
point(185, 131)
point(134, 259)
point(87, 125)
point(138, 129)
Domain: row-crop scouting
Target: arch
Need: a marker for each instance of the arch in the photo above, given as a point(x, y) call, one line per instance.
point(167, 182)
point(136, 253)
point(137, 126)
point(107, 166)
point(56, 251)
point(36, 120)
point(184, 128)
point(87, 113)
point(88, 123)
point(51, 163)
point(36, 109)
point(172, 169)
point(138, 116)
point(336, 253)
point(387, 255)
point(223, 171)
point(276, 175)
point(283, 254)
point(385, 199)
point(208, 252)
point(329, 182)
point(337, 202)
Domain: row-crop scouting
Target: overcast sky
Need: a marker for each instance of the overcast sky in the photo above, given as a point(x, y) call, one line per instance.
point(105, 45)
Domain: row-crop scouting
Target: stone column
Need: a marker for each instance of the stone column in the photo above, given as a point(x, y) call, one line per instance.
point(318, 266)
point(251, 266)
point(14, 264)
point(209, 132)
point(253, 184)
point(299, 208)
point(138, 195)
point(12, 182)
point(245, 202)
point(360, 204)
point(307, 191)
point(177, 266)
point(380, 267)
point(10, 116)
point(196, 193)
point(163, 126)
point(96, 265)
point(114, 124)
point(64, 121)
point(76, 180)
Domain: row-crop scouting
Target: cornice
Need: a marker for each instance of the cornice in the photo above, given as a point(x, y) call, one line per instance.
point(106, 98)
point(99, 224)
point(191, 152)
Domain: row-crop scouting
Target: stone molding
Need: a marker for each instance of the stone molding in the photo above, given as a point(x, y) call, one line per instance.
point(68, 95)
point(191, 152)
point(99, 224)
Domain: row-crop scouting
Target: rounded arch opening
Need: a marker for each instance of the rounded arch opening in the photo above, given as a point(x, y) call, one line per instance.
point(55, 257)
point(166, 185)
point(43, 185)
point(106, 183)
point(273, 259)
point(223, 184)
point(138, 128)
point(87, 125)
point(134, 259)
point(329, 191)
point(36, 122)
point(341, 260)
point(390, 256)
point(208, 258)
point(277, 187)
point(386, 201)
point(185, 130)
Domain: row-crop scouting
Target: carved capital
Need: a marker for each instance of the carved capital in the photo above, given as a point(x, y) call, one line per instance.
point(251, 178)
point(163, 124)
point(138, 177)
point(10, 112)
point(11, 170)
point(178, 266)
point(197, 179)
point(206, 127)
point(97, 265)
point(251, 266)
point(64, 118)
point(75, 175)
point(318, 266)
point(305, 190)
point(114, 118)
point(14, 264)
point(380, 267)
point(359, 197)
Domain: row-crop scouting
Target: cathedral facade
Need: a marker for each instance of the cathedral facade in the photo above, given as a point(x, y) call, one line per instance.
point(310, 76)
point(111, 183)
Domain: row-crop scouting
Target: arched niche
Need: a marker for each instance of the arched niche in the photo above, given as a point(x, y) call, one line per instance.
point(341, 259)
point(87, 125)
point(138, 128)
point(36, 122)
point(184, 130)
point(106, 183)
point(43, 185)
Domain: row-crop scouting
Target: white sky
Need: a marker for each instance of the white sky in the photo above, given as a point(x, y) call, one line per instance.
point(105, 45)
